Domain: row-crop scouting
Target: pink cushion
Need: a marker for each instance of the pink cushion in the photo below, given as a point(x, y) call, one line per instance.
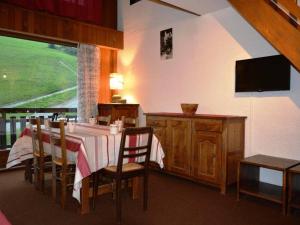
point(3, 219)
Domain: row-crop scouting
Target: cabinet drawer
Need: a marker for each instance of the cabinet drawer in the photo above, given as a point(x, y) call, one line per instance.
point(208, 125)
point(156, 123)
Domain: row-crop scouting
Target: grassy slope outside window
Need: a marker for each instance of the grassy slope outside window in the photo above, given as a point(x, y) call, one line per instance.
point(31, 69)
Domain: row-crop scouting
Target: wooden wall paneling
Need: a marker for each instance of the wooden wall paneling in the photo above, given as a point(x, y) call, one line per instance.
point(17, 20)
point(108, 65)
point(273, 26)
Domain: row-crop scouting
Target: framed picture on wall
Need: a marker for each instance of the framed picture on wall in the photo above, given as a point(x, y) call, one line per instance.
point(166, 44)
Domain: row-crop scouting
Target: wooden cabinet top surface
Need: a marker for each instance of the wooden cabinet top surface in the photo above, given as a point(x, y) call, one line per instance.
point(270, 162)
point(203, 116)
point(117, 104)
point(295, 169)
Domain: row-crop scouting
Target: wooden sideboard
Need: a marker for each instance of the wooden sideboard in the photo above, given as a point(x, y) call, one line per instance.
point(117, 110)
point(203, 148)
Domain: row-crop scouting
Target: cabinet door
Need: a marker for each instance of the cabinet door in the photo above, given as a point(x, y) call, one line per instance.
point(124, 110)
point(160, 133)
point(179, 143)
point(206, 156)
point(159, 126)
point(104, 109)
point(118, 110)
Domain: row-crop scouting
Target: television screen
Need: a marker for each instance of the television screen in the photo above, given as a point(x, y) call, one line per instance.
point(271, 73)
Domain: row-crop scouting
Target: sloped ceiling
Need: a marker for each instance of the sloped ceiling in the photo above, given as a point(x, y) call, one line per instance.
point(199, 6)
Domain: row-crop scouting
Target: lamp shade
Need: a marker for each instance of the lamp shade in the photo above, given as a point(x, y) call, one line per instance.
point(116, 81)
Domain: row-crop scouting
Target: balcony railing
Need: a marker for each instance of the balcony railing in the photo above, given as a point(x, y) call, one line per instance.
point(14, 120)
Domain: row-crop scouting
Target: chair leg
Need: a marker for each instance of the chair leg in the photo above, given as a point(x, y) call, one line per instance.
point(42, 175)
point(118, 200)
point(95, 188)
point(36, 180)
point(145, 195)
point(28, 172)
point(54, 181)
point(114, 189)
point(63, 189)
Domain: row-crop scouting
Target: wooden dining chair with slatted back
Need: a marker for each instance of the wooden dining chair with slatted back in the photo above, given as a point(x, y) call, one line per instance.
point(63, 170)
point(130, 122)
point(103, 120)
point(41, 160)
point(133, 161)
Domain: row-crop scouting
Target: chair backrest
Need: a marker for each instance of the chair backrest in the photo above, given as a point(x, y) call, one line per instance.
point(36, 132)
point(104, 120)
point(53, 117)
point(130, 122)
point(59, 140)
point(135, 146)
point(71, 118)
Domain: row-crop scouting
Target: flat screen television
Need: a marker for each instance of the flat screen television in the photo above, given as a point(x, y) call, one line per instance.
point(271, 73)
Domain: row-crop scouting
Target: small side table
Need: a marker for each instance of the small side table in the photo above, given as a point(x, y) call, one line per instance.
point(249, 183)
point(294, 188)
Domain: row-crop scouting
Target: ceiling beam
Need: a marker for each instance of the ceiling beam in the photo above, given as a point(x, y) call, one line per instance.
point(174, 7)
point(275, 28)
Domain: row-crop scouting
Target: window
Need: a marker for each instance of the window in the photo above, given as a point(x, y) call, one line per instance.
point(37, 74)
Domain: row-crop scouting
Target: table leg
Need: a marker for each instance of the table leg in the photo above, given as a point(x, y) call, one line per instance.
point(85, 202)
point(238, 182)
point(28, 172)
point(289, 191)
point(284, 177)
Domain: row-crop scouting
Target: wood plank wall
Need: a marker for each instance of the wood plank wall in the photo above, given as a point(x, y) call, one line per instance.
point(273, 26)
point(108, 65)
point(39, 25)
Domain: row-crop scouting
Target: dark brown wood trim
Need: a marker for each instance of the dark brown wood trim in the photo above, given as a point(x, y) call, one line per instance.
point(42, 26)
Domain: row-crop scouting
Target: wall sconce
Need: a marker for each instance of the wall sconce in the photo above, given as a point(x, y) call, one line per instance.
point(116, 82)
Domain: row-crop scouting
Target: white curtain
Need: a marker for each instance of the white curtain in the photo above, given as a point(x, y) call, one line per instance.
point(88, 81)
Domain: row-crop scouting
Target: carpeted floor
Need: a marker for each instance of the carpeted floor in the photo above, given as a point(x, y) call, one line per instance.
point(172, 201)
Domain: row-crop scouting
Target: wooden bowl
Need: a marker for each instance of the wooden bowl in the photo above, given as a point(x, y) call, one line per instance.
point(189, 109)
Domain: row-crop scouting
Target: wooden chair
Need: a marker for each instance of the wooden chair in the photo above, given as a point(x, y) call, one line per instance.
point(71, 118)
point(130, 122)
point(41, 160)
point(126, 169)
point(104, 120)
point(53, 117)
point(63, 170)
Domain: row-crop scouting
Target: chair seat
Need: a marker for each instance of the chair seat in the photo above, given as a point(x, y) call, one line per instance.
point(126, 167)
point(59, 162)
point(37, 154)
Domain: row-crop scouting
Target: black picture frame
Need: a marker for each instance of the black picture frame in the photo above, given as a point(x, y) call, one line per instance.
point(166, 44)
point(131, 2)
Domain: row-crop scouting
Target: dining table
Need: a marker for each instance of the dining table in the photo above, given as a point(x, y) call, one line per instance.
point(91, 146)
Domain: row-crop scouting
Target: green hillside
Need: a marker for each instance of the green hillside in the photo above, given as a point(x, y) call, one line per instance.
point(31, 69)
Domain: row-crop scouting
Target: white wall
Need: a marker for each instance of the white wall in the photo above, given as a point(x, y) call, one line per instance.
point(202, 71)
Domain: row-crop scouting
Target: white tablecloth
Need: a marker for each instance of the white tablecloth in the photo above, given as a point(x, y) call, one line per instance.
point(92, 147)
